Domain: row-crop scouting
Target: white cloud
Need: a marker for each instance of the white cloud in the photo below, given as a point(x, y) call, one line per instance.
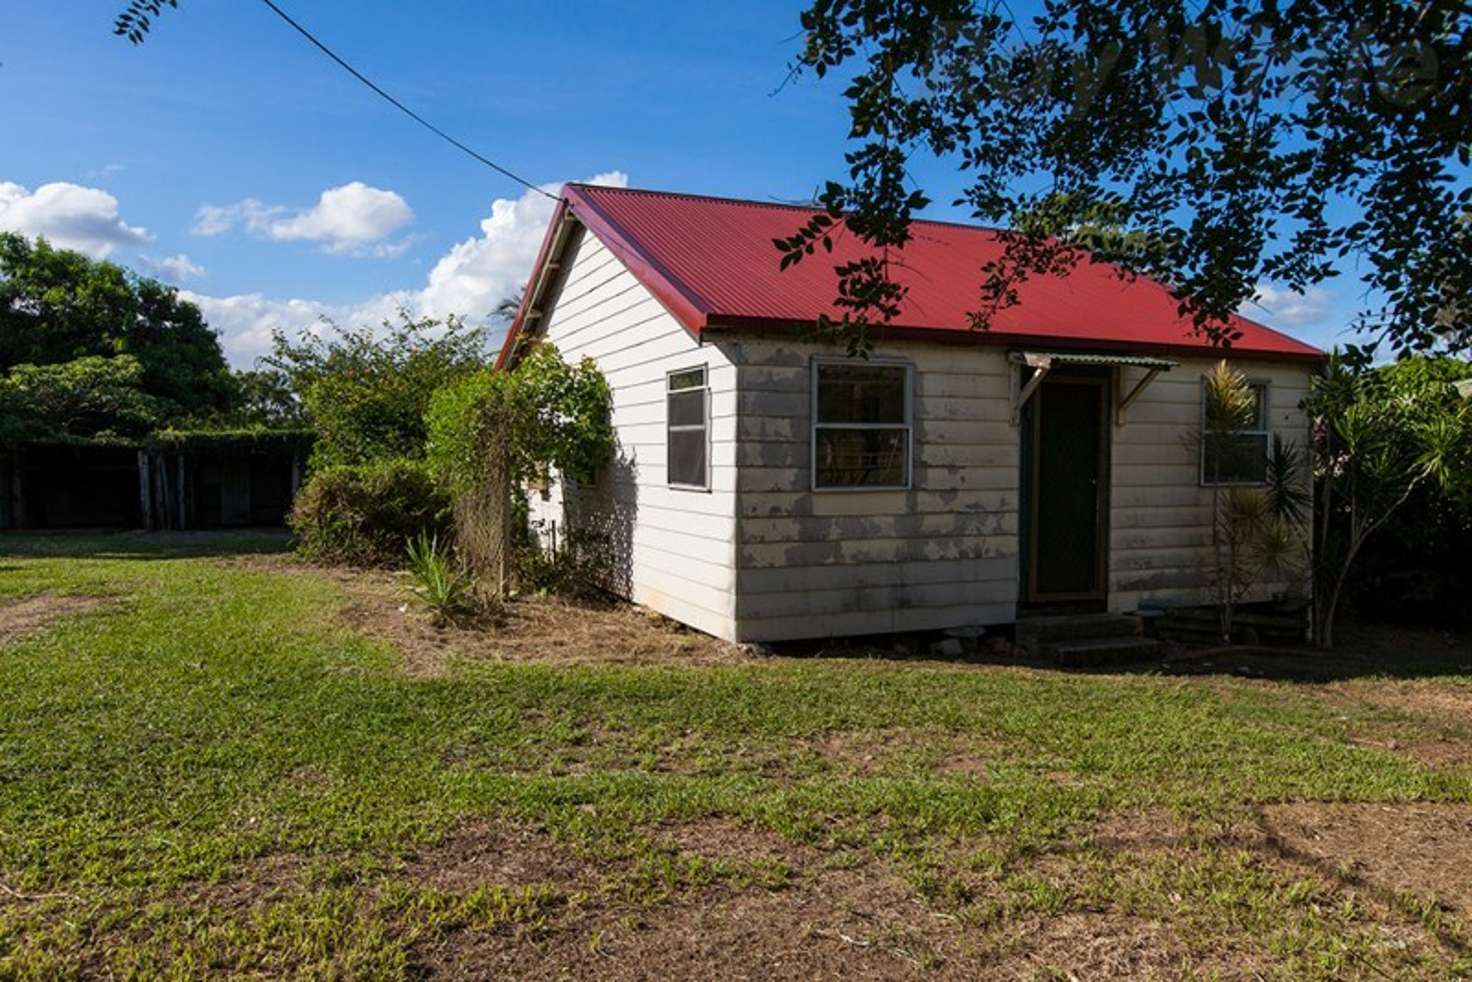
point(477, 274)
point(177, 268)
point(350, 219)
point(1283, 307)
point(469, 280)
point(69, 215)
point(215, 219)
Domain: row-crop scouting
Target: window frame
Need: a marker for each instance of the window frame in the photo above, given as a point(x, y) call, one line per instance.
point(814, 425)
point(704, 426)
point(1266, 432)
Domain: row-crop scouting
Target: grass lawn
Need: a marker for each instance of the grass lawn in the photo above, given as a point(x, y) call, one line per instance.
point(214, 761)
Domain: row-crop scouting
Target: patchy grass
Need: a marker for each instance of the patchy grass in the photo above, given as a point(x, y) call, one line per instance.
point(232, 765)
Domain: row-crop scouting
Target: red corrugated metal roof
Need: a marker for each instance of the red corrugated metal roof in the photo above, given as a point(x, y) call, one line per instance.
point(712, 262)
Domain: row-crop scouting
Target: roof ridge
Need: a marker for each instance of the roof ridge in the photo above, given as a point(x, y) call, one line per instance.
point(754, 203)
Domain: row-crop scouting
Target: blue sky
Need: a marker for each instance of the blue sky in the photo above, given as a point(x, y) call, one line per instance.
point(230, 157)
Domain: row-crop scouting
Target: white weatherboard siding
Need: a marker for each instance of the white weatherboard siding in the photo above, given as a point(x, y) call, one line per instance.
point(672, 548)
point(763, 557)
point(820, 563)
point(1160, 515)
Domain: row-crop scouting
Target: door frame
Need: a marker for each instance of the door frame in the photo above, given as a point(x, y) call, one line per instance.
point(1103, 382)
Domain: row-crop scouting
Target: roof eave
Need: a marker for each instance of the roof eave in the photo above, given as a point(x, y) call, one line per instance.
point(944, 335)
point(535, 281)
point(683, 303)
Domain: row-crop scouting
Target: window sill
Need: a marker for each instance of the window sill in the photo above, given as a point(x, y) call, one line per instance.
point(878, 489)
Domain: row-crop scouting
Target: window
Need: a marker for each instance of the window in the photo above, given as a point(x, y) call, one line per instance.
point(1242, 457)
point(687, 415)
point(861, 425)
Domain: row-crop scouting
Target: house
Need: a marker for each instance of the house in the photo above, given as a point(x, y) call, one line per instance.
point(767, 487)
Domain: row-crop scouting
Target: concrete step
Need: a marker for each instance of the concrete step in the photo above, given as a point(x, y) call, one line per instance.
point(1035, 633)
point(1103, 651)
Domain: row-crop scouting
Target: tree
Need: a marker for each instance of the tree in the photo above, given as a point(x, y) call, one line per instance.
point(1212, 145)
point(366, 391)
point(264, 397)
point(1380, 436)
point(57, 305)
point(1414, 568)
point(137, 18)
point(85, 397)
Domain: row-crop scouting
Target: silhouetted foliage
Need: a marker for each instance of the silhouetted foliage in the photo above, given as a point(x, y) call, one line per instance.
point(1213, 145)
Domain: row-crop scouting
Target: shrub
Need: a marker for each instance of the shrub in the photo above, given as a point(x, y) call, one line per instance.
point(362, 514)
point(492, 432)
point(366, 391)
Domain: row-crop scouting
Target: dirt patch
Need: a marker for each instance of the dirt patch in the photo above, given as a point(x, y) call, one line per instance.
point(1439, 754)
point(1113, 946)
point(1450, 701)
point(542, 629)
point(1133, 831)
point(1419, 849)
point(725, 839)
point(264, 879)
point(1442, 754)
point(486, 854)
point(826, 924)
point(31, 615)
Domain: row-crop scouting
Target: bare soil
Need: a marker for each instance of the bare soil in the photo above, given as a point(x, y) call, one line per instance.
point(543, 629)
point(485, 853)
point(1417, 849)
point(831, 918)
point(31, 615)
point(817, 922)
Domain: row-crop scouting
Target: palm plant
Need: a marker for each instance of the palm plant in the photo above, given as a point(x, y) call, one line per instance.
point(1229, 407)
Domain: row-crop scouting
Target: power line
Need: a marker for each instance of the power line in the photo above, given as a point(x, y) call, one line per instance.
point(403, 108)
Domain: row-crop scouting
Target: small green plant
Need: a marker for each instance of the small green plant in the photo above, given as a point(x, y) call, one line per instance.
point(439, 581)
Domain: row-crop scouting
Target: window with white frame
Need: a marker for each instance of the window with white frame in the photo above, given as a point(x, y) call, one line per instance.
point(861, 425)
point(687, 423)
point(1240, 457)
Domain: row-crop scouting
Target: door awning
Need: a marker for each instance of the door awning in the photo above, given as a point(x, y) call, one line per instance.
point(1041, 362)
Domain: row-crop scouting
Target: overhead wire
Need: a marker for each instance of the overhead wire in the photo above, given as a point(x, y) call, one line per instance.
point(403, 108)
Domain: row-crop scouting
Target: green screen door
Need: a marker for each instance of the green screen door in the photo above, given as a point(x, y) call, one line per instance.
point(1068, 482)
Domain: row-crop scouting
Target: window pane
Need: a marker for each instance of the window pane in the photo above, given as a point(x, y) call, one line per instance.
point(1241, 458)
point(687, 408)
point(861, 393)
point(861, 458)
point(1260, 405)
point(687, 457)
point(692, 379)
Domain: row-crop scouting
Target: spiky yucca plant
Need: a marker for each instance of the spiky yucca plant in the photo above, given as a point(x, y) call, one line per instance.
point(439, 581)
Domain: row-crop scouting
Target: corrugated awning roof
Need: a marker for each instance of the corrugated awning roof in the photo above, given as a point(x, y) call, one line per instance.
point(1089, 358)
